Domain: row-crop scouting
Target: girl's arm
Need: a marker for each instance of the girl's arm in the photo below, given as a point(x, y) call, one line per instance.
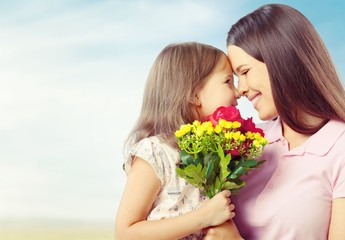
point(336, 229)
point(140, 192)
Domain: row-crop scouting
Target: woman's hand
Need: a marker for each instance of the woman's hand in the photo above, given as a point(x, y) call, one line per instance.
point(225, 231)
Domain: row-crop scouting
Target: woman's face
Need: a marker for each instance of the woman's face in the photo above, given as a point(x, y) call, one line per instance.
point(253, 82)
point(219, 90)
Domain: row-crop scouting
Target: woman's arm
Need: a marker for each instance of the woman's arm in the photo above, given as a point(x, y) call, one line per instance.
point(140, 192)
point(336, 228)
point(225, 231)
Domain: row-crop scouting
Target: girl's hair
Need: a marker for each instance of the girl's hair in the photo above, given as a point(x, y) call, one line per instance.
point(178, 72)
point(302, 75)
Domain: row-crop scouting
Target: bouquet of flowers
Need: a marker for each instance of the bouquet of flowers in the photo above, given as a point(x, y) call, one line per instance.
point(215, 154)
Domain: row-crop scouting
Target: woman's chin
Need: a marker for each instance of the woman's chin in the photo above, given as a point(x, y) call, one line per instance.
point(264, 116)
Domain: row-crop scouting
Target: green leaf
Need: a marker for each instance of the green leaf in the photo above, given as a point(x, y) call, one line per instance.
point(181, 172)
point(237, 172)
point(207, 158)
point(261, 162)
point(198, 160)
point(209, 168)
point(250, 163)
point(223, 166)
point(234, 185)
point(218, 184)
point(212, 167)
point(238, 181)
point(220, 151)
point(186, 158)
point(231, 186)
point(195, 175)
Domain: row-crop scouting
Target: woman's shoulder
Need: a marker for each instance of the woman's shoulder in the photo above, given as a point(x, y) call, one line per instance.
point(333, 131)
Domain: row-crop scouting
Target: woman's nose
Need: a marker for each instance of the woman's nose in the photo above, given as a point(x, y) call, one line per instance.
point(242, 87)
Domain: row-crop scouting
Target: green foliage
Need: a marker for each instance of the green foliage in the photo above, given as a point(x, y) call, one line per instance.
point(215, 171)
point(205, 159)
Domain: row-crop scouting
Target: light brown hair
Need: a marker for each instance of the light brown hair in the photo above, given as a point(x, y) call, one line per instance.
point(302, 75)
point(178, 72)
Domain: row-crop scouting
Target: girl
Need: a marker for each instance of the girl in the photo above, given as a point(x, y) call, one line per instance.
point(188, 81)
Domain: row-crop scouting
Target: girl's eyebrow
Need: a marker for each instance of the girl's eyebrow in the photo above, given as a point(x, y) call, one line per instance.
point(229, 76)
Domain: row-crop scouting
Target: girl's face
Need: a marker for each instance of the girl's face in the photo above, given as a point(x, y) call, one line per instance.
point(219, 90)
point(253, 82)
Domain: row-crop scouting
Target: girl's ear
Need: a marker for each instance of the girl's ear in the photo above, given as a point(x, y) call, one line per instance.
point(196, 101)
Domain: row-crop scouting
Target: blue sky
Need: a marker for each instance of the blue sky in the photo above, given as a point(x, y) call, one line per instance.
point(72, 75)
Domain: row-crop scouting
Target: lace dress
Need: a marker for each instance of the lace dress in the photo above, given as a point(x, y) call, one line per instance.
point(176, 196)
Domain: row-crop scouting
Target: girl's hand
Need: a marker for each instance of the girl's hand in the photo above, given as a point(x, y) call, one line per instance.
point(225, 231)
point(218, 209)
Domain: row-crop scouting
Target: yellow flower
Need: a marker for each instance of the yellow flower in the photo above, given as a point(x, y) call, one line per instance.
point(249, 135)
point(196, 123)
point(209, 130)
point(236, 125)
point(242, 138)
point(256, 143)
point(263, 141)
point(178, 133)
point(257, 136)
point(228, 135)
point(225, 124)
point(218, 129)
point(207, 124)
point(186, 128)
point(236, 135)
point(199, 131)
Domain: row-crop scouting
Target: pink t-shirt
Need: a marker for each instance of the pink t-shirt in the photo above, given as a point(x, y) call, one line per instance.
point(290, 196)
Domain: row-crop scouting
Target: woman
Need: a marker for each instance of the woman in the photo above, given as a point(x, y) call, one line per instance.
point(284, 69)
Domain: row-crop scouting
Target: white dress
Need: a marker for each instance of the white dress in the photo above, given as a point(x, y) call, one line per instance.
point(176, 196)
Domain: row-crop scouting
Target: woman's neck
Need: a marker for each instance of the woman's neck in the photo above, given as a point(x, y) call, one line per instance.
point(295, 139)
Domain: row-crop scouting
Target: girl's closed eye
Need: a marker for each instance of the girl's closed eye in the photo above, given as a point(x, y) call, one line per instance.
point(230, 82)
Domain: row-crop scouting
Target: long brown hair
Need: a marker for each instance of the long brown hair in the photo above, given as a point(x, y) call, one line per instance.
point(302, 75)
point(178, 72)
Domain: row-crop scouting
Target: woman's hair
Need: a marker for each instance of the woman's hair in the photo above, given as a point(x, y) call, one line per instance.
point(178, 72)
point(302, 75)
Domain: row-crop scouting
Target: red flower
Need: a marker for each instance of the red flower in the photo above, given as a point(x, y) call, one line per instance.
point(248, 125)
point(234, 153)
point(230, 114)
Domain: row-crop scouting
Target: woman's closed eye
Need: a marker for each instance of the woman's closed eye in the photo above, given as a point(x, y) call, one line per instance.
point(244, 72)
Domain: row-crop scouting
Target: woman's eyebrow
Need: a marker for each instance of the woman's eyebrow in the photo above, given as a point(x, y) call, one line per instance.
point(239, 67)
